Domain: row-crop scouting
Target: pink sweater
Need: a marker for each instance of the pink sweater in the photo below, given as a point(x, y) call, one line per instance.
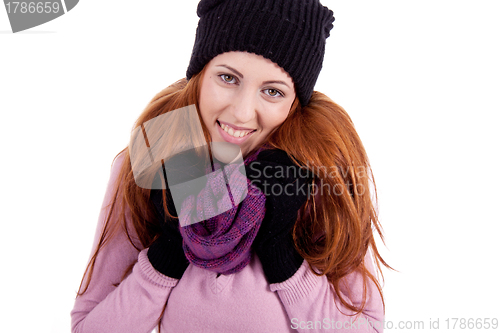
point(202, 302)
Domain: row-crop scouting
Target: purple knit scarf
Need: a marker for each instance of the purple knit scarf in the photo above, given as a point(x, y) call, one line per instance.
point(222, 243)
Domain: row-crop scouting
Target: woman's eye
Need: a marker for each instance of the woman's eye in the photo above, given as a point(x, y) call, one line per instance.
point(228, 78)
point(273, 92)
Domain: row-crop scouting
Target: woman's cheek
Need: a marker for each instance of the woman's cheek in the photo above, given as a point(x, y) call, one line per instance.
point(276, 117)
point(217, 94)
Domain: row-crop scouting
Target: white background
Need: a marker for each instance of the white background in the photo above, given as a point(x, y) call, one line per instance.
point(420, 79)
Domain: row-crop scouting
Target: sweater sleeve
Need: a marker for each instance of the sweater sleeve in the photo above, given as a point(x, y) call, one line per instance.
point(312, 303)
point(110, 304)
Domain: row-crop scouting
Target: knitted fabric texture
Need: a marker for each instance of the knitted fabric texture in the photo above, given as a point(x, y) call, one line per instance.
point(223, 242)
point(291, 33)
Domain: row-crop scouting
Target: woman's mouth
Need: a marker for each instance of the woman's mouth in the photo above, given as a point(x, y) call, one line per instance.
point(233, 135)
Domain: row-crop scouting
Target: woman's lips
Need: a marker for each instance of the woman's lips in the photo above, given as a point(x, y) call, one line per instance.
point(231, 135)
point(234, 127)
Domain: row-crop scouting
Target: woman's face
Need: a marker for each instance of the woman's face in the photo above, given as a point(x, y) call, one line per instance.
point(243, 98)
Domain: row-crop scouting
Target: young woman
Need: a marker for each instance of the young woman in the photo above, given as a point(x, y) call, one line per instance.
point(294, 250)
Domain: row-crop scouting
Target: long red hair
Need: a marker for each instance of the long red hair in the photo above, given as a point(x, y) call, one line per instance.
point(335, 228)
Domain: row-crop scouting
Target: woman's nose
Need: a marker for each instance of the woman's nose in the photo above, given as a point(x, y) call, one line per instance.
point(245, 106)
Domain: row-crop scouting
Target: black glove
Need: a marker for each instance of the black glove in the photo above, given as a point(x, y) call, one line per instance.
point(166, 253)
point(286, 188)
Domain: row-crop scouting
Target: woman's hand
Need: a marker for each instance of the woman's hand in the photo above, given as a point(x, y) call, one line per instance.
point(166, 253)
point(286, 187)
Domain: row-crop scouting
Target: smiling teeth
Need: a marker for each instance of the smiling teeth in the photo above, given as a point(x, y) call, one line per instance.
point(232, 132)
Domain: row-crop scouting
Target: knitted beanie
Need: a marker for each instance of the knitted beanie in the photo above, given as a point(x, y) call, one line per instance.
point(290, 33)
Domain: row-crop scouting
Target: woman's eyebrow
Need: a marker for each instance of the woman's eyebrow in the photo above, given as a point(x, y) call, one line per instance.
point(241, 75)
point(277, 82)
point(232, 69)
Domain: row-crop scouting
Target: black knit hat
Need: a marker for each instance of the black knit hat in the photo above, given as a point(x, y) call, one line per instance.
point(291, 33)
